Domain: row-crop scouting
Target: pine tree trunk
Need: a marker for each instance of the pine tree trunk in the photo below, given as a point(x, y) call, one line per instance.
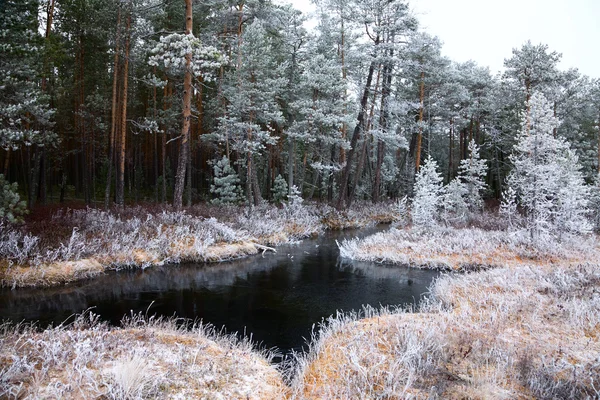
point(43, 161)
point(420, 134)
point(123, 134)
point(164, 146)
point(450, 153)
point(360, 126)
point(187, 113)
point(7, 162)
point(383, 123)
point(113, 126)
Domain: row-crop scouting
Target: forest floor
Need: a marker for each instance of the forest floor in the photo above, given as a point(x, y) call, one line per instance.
point(513, 321)
point(66, 245)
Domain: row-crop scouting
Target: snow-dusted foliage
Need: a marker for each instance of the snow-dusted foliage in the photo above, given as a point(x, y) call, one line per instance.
point(472, 172)
point(170, 54)
point(428, 195)
point(147, 358)
point(464, 194)
point(25, 117)
point(595, 203)
point(11, 206)
point(546, 177)
point(226, 183)
point(279, 190)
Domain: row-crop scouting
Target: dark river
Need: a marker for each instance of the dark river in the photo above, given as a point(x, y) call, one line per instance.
point(276, 298)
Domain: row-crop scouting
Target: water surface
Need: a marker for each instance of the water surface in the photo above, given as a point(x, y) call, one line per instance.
point(276, 298)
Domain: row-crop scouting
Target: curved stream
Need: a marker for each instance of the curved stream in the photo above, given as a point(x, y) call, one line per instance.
point(276, 298)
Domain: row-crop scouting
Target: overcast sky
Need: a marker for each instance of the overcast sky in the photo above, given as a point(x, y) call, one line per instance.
point(487, 31)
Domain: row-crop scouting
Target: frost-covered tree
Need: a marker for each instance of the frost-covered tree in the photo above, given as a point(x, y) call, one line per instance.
point(546, 176)
point(279, 190)
point(464, 193)
point(226, 184)
point(533, 68)
point(11, 207)
point(429, 192)
point(472, 173)
point(24, 110)
point(253, 113)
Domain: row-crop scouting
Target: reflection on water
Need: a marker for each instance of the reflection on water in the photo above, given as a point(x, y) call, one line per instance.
point(276, 297)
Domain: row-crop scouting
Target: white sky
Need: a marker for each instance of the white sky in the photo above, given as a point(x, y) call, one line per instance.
point(487, 31)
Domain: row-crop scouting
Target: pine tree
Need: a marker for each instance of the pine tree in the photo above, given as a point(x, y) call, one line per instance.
point(472, 172)
point(546, 177)
point(279, 190)
point(226, 184)
point(428, 195)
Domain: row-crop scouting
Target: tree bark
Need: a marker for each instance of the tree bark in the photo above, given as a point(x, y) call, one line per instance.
point(113, 126)
point(420, 134)
point(360, 126)
point(187, 114)
point(123, 133)
point(450, 152)
point(383, 123)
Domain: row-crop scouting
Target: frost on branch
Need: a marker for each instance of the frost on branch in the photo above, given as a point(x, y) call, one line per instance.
point(170, 53)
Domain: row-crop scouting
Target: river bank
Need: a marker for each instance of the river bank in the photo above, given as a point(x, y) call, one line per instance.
point(71, 245)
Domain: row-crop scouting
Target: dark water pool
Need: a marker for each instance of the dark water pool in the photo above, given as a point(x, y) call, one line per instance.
point(276, 298)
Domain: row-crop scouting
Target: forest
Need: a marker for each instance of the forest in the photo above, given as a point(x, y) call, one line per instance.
point(338, 159)
point(128, 102)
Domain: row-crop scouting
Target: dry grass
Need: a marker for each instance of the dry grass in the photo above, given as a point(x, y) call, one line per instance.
point(467, 249)
point(517, 332)
point(143, 359)
point(91, 241)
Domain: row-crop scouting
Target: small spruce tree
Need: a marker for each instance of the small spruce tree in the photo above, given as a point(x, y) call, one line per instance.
point(279, 190)
point(428, 195)
point(226, 186)
point(12, 208)
point(472, 172)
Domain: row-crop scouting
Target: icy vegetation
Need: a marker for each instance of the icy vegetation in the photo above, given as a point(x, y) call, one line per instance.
point(77, 244)
point(526, 332)
point(145, 358)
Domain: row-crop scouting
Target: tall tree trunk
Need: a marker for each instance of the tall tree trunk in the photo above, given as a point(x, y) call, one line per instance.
point(187, 114)
point(7, 161)
point(163, 154)
point(188, 200)
point(360, 126)
point(386, 90)
point(155, 144)
point(420, 134)
point(43, 160)
point(366, 142)
point(123, 134)
point(450, 153)
point(113, 126)
point(598, 141)
point(345, 79)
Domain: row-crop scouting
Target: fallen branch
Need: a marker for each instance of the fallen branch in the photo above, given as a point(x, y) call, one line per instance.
point(264, 248)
